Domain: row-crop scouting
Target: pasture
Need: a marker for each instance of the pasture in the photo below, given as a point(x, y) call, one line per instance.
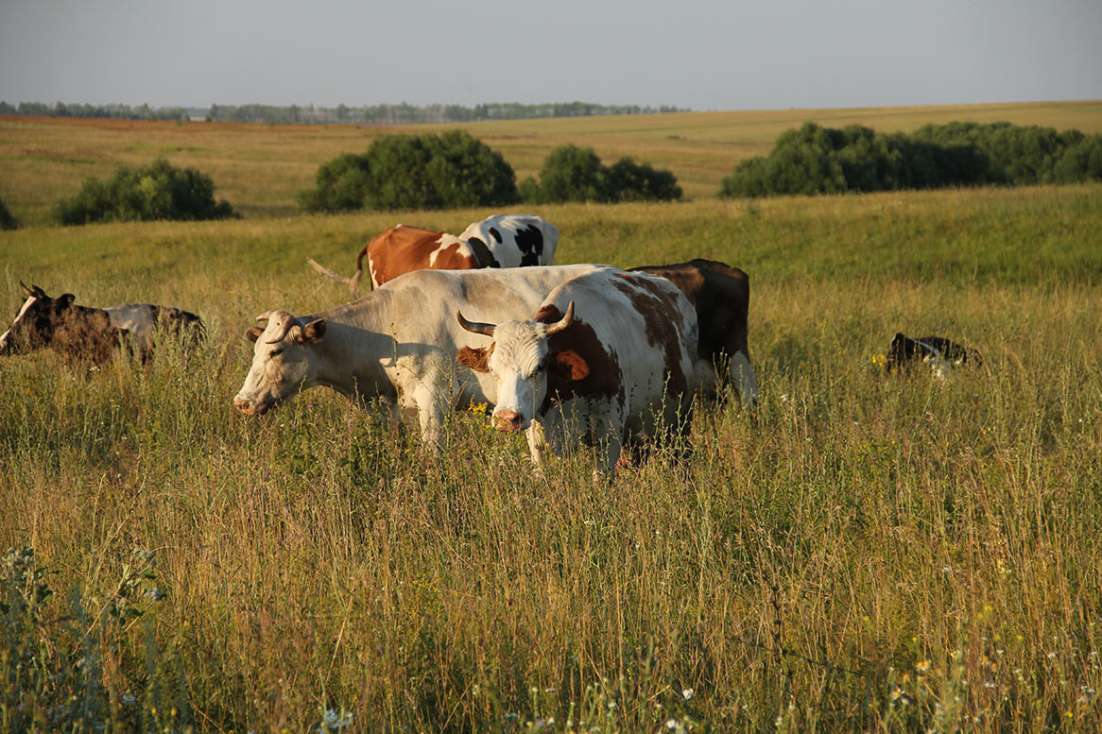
point(866, 553)
point(260, 168)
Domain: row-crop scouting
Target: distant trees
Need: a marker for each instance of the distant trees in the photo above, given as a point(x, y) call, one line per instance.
point(7, 221)
point(452, 169)
point(570, 173)
point(819, 160)
point(157, 191)
point(116, 111)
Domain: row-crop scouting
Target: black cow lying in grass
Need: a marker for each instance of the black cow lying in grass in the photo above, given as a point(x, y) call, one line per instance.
point(92, 335)
point(938, 352)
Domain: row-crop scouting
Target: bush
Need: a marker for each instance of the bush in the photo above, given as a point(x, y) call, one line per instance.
point(571, 173)
point(818, 160)
point(7, 221)
point(158, 191)
point(453, 169)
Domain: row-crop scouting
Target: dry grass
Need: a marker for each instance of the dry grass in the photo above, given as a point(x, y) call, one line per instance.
point(260, 168)
point(866, 554)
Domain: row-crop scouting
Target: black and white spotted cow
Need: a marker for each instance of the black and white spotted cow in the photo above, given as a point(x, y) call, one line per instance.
point(514, 240)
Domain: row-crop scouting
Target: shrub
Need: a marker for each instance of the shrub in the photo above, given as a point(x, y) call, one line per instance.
point(571, 173)
point(157, 191)
point(818, 160)
point(453, 169)
point(627, 180)
point(7, 221)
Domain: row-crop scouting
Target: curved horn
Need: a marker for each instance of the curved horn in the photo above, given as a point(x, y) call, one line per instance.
point(289, 324)
point(564, 322)
point(27, 288)
point(476, 327)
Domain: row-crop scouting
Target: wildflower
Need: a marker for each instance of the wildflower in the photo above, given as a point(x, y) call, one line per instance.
point(687, 693)
point(129, 699)
point(675, 725)
point(334, 720)
point(477, 408)
point(922, 666)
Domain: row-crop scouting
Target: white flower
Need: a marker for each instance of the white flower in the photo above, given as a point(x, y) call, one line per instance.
point(686, 693)
point(335, 720)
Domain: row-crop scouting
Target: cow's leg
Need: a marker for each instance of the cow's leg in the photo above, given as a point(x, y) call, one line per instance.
point(745, 380)
point(606, 425)
point(430, 416)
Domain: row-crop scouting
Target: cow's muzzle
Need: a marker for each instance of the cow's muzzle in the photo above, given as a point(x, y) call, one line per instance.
point(508, 421)
point(251, 407)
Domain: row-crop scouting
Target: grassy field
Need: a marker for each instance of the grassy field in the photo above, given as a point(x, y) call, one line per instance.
point(260, 168)
point(865, 553)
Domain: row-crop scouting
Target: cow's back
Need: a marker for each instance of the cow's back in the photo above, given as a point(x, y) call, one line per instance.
point(400, 250)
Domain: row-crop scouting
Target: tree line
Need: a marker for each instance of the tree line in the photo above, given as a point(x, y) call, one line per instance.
point(382, 114)
point(823, 160)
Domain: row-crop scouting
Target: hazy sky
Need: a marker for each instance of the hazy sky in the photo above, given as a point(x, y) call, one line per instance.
point(705, 54)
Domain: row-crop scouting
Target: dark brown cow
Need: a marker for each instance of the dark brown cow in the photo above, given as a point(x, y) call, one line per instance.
point(721, 295)
point(91, 334)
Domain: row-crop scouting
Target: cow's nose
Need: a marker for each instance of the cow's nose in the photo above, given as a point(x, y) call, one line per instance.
point(507, 420)
point(244, 406)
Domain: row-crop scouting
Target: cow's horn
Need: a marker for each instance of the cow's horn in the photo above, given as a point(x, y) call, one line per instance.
point(564, 322)
point(476, 327)
point(27, 288)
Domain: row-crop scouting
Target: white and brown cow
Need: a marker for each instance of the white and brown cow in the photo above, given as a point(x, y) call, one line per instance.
point(499, 241)
point(92, 334)
point(397, 343)
point(614, 351)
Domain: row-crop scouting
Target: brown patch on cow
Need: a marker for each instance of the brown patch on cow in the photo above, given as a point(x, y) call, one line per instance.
point(721, 296)
point(81, 334)
point(476, 358)
point(548, 314)
point(400, 250)
point(604, 378)
point(450, 258)
point(660, 319)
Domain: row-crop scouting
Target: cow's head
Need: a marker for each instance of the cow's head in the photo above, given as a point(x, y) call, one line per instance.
point(524, 362)
point(284, 361)
point(34, 324)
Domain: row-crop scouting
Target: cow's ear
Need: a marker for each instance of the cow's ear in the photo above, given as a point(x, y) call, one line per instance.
point(574, 362)
point(312, 332)
point(253, 333)
point(65, 300)
point(477, 359)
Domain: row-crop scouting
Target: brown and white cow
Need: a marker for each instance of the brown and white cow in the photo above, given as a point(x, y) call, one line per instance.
point(91, 334)
point(499, 241)
point(721, 296)
point(612, 350)
point(398, 343)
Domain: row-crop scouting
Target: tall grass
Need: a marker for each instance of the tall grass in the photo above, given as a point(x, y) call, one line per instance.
point(866, 553)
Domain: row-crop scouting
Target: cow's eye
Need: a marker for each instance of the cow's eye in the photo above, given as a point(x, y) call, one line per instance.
point(277, 352)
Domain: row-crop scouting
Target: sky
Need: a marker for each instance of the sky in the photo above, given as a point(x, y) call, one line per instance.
point(703, 54)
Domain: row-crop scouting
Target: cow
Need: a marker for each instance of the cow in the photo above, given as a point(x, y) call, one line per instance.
point(89, 334)
point(613, 350)
point(397, 343)
point(499, 241)
point(938, 352)
point(721, 296)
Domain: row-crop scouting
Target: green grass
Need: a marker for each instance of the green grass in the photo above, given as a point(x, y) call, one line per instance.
point(866, 554)
point(260, 168)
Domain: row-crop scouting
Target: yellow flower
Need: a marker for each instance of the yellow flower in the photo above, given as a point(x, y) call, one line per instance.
point(879, 360)
point(477, 408)
point(922, 666)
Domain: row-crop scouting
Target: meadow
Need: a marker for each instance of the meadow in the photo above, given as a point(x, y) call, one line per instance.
point(261, 168)
point(863, 553)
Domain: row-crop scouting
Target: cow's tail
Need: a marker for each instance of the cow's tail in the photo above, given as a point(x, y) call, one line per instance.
point(350, 282)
